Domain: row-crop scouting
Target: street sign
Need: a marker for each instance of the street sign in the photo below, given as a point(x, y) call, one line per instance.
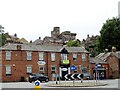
point(73, 76)
point(37, 85)
point(73, 68)
point(66, 76)
point(96, 66)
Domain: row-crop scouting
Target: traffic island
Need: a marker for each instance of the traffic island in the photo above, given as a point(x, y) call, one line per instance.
point(76, 84)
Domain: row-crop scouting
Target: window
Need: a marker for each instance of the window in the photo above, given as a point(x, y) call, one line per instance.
point(8, 70)
point(8, 55)
point(52, 56)
point(42, 69)
point(41, 56)
point(83, 69)
point(63, 56)
point(29, 55)
point(29, 69)
point(83, 57)
point(74, 57)
point(53, 69)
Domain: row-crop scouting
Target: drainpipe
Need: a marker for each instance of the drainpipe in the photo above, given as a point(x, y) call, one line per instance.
point(47, 62)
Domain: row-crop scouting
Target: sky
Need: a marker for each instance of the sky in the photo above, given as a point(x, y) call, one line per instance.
point(32, 19)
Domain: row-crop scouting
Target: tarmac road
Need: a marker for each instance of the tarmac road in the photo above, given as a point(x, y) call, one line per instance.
point(61, 89)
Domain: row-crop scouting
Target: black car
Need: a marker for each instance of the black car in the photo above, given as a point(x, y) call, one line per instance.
point(40, 77)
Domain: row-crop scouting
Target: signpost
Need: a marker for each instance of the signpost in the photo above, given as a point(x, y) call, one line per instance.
point(96, 68)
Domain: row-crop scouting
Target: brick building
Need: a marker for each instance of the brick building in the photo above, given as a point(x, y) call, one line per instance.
point(19, 60)
point(102, 70)
point(113, 60)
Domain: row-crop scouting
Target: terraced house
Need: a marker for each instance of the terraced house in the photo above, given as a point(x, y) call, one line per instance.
point(19, 60)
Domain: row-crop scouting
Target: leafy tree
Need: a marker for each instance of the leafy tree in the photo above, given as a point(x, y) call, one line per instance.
point(109, 35)
point(2, 36)
point(73, 43)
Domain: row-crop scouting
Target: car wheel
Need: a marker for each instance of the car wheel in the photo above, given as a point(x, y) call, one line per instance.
point(46, 80)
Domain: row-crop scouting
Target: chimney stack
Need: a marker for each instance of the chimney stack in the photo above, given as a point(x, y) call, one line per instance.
point(19, 47)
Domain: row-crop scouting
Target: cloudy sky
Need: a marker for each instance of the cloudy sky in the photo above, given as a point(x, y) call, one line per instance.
point(36, 18)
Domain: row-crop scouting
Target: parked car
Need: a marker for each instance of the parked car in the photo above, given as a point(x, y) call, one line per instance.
point(40, 77)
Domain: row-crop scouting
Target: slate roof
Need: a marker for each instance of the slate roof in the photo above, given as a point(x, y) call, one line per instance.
point(97, 60)
point(49, 48)
point(38, 42)
point(103, 56)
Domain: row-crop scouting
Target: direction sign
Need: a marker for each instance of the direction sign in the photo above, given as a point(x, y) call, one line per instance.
point(73, 68)
point(37, 83)
point(73, 76)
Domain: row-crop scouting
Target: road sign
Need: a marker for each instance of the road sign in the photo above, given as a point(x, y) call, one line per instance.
point(73, 76)
point(66, 76)
point(73, 68)
point(96, 66)
point(37, 85)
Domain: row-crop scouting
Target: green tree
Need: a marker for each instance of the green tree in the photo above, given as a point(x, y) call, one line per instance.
point(109, 35)
point(2, 36)
point(73, 43)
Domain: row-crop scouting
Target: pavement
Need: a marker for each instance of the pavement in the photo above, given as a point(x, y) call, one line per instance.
point(76, 84)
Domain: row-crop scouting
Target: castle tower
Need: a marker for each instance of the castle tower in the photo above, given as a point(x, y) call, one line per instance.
point(56, 32)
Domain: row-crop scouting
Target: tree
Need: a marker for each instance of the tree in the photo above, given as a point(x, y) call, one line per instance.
point(1, 29)
point(109, 35)
point(2, 36)
point(73, 43)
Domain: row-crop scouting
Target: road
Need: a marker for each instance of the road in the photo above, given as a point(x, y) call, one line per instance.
point(111, 85)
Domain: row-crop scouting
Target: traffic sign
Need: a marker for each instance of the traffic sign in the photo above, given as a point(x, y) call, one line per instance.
point(37, 85)
point(73, 68)
point(96, 66)
point(73, 76)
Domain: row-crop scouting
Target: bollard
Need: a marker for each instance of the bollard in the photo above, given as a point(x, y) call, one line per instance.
point(37, 85)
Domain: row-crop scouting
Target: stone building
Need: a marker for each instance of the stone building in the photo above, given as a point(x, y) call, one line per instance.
point(19, 60)
point(56, 38)
point(90, 43)
point(14, 39)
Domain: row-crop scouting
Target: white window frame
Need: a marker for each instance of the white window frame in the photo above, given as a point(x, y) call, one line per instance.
point(8, 55)
point(53, 56)
point(41, 69)
point(75, 56)
point(53, 70)
point(29, 69)
point(64, 56)
point(83, 57)
point(41, 56)
point(29, 55)
point(8, 69)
